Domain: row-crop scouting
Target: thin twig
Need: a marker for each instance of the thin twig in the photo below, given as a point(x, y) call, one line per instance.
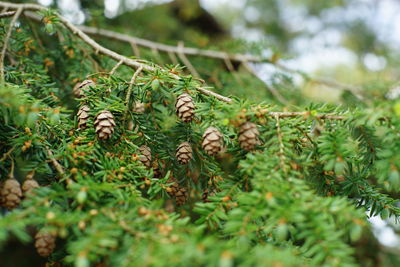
point(331, 83)
point(11, 174)
point(271, 89)
point(281, 145)
point(116, 67)
point(305, 114)
point(135, 49)
point(191, 51)
point(157, 55)
point(7, 14)
point(186, 61)
point(211, 93)
point(173, 58)
point(230, 67)
point(5, 42)
point(5, 155)
point(55, 163)
point(128, 95)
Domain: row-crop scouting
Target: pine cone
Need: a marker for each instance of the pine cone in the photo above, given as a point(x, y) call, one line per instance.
point(248, 136)
point(212, 141)
point(156, 169)
point(139, 107)
point(174, 187)
point(145, 156)
point(178, 192)
point(83, 116)
point(80, 87)
point(185, 107)
point(104, 124)
point(28, 186)
point(11, 193)
point(184, 153)
point(45, 243)
point(181, 196)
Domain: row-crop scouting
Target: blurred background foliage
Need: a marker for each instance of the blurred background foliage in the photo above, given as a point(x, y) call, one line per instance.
point(354, 42)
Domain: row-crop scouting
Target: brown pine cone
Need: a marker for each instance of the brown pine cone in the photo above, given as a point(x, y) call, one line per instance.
point(178, 192)
point(156, 169)
point(248, 136)
point(83, 116)
point(11, 193)
point(185, 107)
point(174, 187)
point(80, 87)
point(145, 155)
point(184, 153)
point(181, 196)
point(28, 186)
point(44, 243)
point(212, 141)
point(104, 124)
point(138, 107)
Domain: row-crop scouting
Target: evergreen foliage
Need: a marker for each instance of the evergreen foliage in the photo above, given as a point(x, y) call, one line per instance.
point(299, 198)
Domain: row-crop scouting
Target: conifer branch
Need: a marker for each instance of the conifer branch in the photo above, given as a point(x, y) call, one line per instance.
point(5, 155)
point(7, 14)
point(55, 163)
point(105, 51)
point(191, 51)
point(128, 95)
point(5, 43)
point(116, 67)
point(304, 114)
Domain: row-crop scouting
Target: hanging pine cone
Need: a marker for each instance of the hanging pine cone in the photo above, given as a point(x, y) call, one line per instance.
point(138, 107)
point(181, 196)
point(178, 192)
point(185, 107)
point(174, 187)
point(184, 153)
point(83, 116)
point(248, 136)
point(145, 155)
point(212, 141)
point(104, 124)
point(156, 169)
point(44, 243)
point(80, 87)
point(11, 193)
point(28, 186)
